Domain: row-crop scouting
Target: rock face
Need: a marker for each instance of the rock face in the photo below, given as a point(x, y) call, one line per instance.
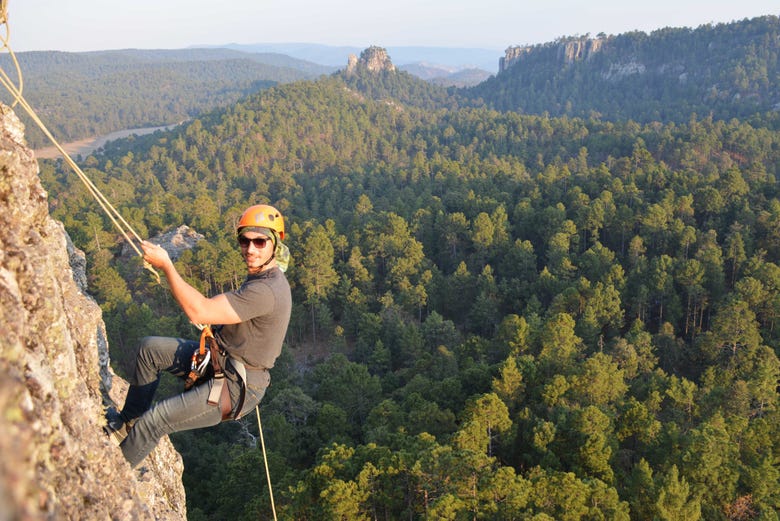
point(582, 49)
point(568, 52)
point(511, 56)
point(373, 59)
point(55, 461)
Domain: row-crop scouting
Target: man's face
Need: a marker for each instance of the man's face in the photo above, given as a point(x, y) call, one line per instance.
point(256, 249)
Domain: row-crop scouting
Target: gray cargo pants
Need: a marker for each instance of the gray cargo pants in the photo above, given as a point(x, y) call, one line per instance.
point(188, 410)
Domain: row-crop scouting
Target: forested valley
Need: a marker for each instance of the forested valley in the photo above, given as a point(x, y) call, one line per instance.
point(81, 95)
point(496, 315)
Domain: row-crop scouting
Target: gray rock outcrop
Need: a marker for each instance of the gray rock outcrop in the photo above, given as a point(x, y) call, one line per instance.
point(175, 242)
point(373, 59)
point(568, 51)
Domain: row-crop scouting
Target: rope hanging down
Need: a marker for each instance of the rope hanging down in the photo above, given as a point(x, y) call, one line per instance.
point(16, 91)
point(265, 460)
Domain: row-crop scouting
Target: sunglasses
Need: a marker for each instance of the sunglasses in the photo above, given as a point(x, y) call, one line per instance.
point(259, 242)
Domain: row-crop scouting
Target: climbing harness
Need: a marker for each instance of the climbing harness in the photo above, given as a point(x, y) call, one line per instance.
point(210, 355)
point(200, 362)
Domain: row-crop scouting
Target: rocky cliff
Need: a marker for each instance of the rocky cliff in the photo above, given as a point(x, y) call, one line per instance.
point(568, 52)
point(55, 461)
point(372, 59)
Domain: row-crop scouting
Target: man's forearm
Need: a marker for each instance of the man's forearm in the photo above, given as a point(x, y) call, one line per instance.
point(190, 299)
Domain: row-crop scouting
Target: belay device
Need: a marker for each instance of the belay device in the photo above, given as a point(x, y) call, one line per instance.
point(201, 357)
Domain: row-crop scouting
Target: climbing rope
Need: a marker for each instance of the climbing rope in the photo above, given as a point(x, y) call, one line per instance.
point(16, 91)
point(265, 460)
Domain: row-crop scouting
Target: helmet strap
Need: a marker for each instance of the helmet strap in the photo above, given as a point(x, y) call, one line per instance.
point(272, 257)
point(273, 253)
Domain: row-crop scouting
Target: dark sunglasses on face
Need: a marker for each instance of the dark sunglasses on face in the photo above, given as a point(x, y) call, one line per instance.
point(259, 242)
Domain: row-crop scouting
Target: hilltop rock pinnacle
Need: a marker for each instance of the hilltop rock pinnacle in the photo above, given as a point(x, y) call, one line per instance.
point(374, 59)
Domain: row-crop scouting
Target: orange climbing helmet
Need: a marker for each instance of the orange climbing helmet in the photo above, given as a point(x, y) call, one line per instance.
point(262, 216)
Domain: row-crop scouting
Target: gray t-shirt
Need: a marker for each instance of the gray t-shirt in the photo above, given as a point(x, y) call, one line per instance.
point(263, 303)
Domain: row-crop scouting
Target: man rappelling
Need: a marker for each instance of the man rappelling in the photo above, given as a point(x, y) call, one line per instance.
point(252, 325)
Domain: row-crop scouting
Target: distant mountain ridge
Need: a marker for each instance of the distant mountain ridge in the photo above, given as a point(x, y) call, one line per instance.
point(424, 62)
point(39, 62)
point(94, 93)
point(446, 76)
point(455, 57)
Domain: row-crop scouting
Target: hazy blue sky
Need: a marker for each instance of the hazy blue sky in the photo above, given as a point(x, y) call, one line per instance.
point(81, 25)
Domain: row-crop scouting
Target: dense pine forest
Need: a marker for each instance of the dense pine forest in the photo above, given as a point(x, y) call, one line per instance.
point(496, 315)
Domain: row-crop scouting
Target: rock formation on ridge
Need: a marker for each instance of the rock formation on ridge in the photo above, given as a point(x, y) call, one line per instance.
point(373, 59)
point(55, 461)
point(569, 51)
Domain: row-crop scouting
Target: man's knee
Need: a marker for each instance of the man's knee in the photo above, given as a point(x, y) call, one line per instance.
point(147, 347)
point(152, 353)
